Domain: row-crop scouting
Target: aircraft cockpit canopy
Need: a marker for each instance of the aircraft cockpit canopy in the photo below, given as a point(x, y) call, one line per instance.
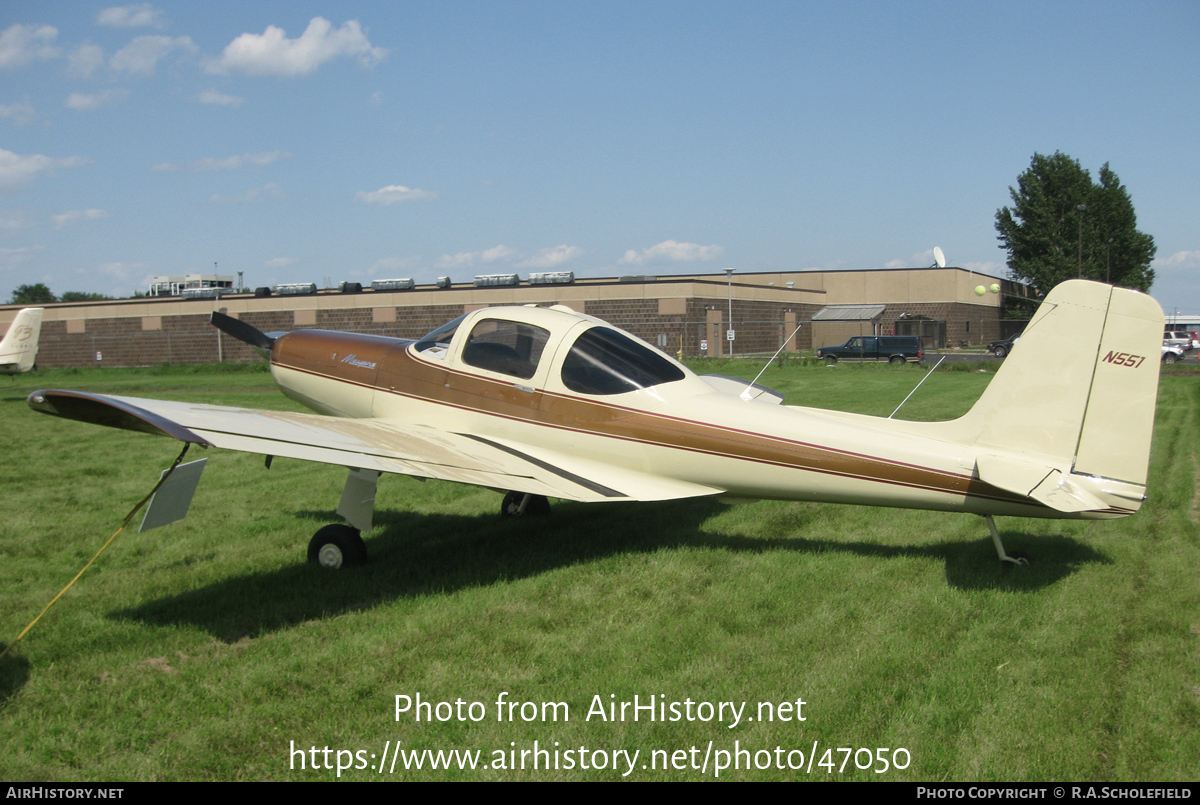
point(601, 361)
point(508, 347)
point(604, 361)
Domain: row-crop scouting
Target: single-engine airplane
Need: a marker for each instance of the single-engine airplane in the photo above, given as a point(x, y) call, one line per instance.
point(548, 402)
point(18, 350)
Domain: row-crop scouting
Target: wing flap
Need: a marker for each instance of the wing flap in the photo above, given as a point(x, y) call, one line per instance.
point(632, 484)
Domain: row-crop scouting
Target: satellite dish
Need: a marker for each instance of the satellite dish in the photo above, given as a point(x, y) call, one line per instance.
point(939, 258)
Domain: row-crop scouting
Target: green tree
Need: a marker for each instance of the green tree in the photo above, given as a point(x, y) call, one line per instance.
point(37, 294)
point(82, 296)
point(1056, 209)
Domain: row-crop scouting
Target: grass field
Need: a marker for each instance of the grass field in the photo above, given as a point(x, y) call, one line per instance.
point(209, 650)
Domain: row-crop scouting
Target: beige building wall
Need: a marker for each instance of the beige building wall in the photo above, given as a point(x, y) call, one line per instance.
point(836, 333)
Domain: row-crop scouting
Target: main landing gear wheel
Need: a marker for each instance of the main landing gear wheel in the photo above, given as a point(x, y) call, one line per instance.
point(519, 504)
point(336, 546)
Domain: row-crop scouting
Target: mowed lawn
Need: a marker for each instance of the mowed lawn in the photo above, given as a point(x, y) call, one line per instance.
point(209, 649)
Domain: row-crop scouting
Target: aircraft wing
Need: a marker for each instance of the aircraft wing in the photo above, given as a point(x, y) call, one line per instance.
point(383, 445)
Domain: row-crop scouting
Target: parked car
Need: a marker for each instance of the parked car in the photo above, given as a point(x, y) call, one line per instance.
point(1171, 354)
point(1178, 338)
point(895, 349)
point(1004, 345)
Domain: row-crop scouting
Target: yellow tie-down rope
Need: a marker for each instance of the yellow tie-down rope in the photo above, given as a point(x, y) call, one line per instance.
point(129, 517)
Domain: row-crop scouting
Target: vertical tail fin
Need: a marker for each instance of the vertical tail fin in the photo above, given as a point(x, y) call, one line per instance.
point(18, 350)
point(1079, 389)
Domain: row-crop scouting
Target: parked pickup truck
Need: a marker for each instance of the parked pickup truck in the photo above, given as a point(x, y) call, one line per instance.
point(895, 349)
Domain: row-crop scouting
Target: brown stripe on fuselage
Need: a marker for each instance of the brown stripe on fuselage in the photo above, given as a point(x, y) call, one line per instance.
point(398, 372)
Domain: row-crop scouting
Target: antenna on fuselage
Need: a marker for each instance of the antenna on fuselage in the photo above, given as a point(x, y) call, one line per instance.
point(745, 395)
point(914, 391)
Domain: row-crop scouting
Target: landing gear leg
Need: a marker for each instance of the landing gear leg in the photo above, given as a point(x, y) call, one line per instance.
point(1014, 560)
point(358, 498)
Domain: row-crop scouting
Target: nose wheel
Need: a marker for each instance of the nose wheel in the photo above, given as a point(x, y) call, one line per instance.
point(520, 504)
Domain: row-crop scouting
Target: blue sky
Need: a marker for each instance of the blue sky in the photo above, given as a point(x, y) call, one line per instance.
point(356, 141)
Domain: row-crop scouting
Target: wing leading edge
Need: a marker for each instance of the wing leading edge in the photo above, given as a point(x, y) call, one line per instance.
point(371, 444)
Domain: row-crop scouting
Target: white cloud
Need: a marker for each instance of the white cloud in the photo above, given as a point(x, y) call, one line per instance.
point(21, 114)
point(21, 44)
point(376, 98)
point(220, 98)
point(279, 262)
point(130, 16)
point(71, 216)
point(84, 102)
point(392, 264)
point(227, 163)
point(15, 258)
point(500, 252)
point(272, 53)
point(143, 54)
point(121, 271)
point(393, 194)
point(18, 169)
point(670, 251)
point(457, 260)
point(487, 256)
point(1185, 259)
point(84, 60)
point(14, 219)
point(551, 257)
point(270, 190)
point(896, 264)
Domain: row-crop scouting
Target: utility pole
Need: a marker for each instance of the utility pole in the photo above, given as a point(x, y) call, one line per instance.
point(729, 332)
point(1081, 209)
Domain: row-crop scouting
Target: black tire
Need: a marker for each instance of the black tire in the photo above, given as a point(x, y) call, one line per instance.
point(337, 546)
point(1170, 357)
point(897, 360)
point(1001, 352)
point(830, 360)
point(538, 506)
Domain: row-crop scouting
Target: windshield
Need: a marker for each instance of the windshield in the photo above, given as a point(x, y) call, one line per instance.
point(437, 343)
point(603, 361)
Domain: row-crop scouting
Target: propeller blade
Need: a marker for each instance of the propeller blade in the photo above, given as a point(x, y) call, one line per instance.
point(242, 331)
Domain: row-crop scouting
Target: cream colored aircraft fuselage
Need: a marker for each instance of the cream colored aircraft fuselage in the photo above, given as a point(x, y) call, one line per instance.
point(549, 402)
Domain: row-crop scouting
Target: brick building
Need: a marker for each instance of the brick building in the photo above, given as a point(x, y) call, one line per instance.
point(688, 314)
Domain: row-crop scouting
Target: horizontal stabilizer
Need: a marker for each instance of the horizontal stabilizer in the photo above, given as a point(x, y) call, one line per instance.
point(1047, 485)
